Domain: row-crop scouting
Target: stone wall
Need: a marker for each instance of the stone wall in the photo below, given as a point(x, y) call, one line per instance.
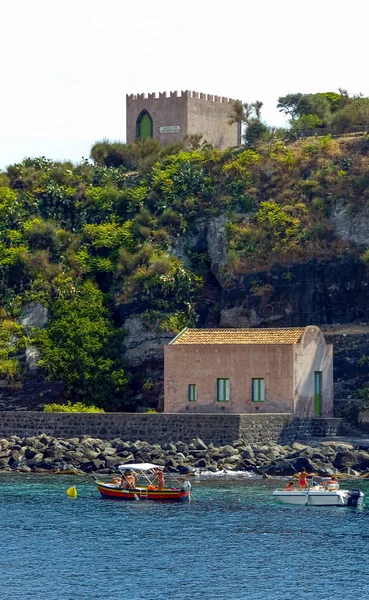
point(162, 428)
point(209, 116)
point(189, 113)
point(165, 111)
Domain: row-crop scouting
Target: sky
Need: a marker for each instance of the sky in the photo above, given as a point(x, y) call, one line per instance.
point(67, 65)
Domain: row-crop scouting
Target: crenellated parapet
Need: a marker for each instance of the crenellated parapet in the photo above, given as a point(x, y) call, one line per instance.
point(170, 117)
point(182, 94)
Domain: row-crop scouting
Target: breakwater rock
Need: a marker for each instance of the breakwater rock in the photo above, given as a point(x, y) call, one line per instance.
point(44, 453)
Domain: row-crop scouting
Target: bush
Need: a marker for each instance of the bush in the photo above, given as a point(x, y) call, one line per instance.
point(77, 407)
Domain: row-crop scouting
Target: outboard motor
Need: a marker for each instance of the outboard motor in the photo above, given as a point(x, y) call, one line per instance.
point(354, 497)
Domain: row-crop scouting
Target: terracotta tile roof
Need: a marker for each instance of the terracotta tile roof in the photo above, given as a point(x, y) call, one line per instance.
point(239, 336)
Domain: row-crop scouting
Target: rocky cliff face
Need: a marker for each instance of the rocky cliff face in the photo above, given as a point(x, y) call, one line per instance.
point(352, 227)
point(324, 293)
point(313, 293)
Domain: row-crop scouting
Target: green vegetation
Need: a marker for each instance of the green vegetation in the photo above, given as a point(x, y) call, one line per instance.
point(339, 112)
point(77, 407)
point(98, 241)
point(82, 348)
point(12, 341)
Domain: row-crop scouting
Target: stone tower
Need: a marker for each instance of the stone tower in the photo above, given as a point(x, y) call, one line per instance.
point(169, 119)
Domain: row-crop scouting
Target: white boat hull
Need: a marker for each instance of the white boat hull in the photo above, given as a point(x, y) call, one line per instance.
point(320, 497)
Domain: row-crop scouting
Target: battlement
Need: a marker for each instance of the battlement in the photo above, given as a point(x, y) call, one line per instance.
point(182, 94)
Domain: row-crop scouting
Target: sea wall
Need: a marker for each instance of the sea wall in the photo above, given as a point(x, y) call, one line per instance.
point(163, 428)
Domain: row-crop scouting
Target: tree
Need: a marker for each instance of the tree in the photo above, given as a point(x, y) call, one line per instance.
point(249, 115)
point(293, 105)
point(81, 348)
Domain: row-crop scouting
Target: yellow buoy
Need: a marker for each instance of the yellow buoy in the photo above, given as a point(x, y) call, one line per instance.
point(72, 492)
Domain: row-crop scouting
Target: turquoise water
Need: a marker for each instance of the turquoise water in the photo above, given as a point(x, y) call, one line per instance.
point(232, 542)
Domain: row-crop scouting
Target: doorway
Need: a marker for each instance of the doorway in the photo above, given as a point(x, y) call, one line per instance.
point(317, 393)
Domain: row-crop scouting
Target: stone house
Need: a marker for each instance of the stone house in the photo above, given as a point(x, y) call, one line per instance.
point(287, 370)
point(169, 118)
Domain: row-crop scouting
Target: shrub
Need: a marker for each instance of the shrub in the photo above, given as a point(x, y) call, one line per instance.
point(77, 407)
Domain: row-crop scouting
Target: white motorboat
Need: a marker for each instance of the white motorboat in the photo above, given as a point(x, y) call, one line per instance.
point(318, 495)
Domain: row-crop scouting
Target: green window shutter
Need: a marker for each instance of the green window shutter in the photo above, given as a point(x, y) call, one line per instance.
point(192, 394)
point(258, 390)
point(223, 394)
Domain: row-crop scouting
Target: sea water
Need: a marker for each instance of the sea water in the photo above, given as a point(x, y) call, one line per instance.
point(232, 542)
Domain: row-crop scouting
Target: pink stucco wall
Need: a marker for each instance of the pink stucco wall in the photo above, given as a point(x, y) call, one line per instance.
point(287, 369)
point(203, 364)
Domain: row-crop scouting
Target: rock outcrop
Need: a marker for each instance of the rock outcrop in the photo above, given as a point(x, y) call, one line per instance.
point(34, 315)
point(351, 226)
point(142, 345)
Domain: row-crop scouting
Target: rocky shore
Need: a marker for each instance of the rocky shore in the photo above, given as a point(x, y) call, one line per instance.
point(43, 453)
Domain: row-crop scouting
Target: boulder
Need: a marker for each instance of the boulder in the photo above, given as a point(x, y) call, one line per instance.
point(54, 452)
point(73, 441)
point(112, 462)
point(29, 453)
point(92, 465)
point(362, 460)
point(227, 450)
point(337, 445)
point(199, 444)
point(299, 447)
point(34, 315)
point(170, 447)
point(344, 458)
point(350, 472)
point(35, 460)
point(328, 451)
point(280, 468)
point(200, 464)
point(33, 356)
point(181, 447)
point(248, 452)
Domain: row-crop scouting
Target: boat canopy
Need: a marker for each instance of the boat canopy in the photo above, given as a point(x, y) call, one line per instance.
point(140, 467)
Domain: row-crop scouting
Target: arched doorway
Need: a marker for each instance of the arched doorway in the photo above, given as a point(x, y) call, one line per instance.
point(144, 125)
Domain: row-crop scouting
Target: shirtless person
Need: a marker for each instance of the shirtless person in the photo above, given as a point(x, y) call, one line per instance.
point(129, 480)
point(303, 484)
point(160, 477)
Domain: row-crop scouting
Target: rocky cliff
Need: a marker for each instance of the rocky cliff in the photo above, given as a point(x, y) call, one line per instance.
point(276, 235)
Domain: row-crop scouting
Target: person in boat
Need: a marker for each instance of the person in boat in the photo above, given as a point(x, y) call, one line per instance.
point(303, 484)
point(290, 486)
point(129, 481)
point(160, 477)
point(331, 484)
point(117, 481)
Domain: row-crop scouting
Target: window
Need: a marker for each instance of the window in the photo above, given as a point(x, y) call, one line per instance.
point(223, 390)
point(258, 390)
point(192, 395)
